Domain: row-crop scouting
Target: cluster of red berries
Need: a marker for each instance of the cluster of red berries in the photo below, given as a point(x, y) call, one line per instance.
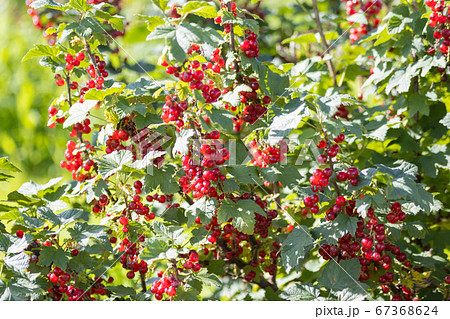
point(254, 106)
point(200, 173)
point(166, 285)
point(339, 206)
point(97, 80)
point(218, 20)
point(192, 261)
point(331, 149)
point(81, 128)
point(237, 243)
point(38, 23)
point(440, 21)
point(342, 112)
point(370, 9)
point(173, 12)
point(250, 45)
point(194, 74)
point(396, 213)
point(59, 279)
point(268, 155)
point(369, 245)
point(173, 110)
point(81, 169)
point(114, 142)
point(100, 204)
point(53, 117)
point(320, 178)
point(98, 287)
point(130, 258)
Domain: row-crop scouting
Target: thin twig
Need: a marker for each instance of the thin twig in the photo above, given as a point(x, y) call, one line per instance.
point(91, 57)
point(324, 42)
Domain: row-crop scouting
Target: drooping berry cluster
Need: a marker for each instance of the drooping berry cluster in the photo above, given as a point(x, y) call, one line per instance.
point(199, 168)
point(78, 161)
point(441, 24)
point(253, 105)
point(396, 213)
point(166, 285)
point(371, 9)
point(370, 246)
point(130, 259)
point(60, 286)
point(269, 154)
point(342, 112)
point(173, 110)
point(250, 45)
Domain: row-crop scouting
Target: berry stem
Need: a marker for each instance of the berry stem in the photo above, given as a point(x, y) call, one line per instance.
point(143, 284)
point(233, 45)
point(87, 47)
point(69, 92)
point(276, 194)
point(324, 42)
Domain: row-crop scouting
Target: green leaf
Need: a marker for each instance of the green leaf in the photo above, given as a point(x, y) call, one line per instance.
point(57, 256)
point(174, 234)
point(162, 178)
point(338, 276)
point(72, 215)
point(23, 287)
point(358, 17)
point(251, 24)
point(112, 163)
point(4, 242)
point(200, 8)
point(415, 229)
point(8, 166)
point(242, 213)
point(18, 244)
point(4, 177)
point(32, 188)
point(203, 208)
point(418, 103)
point(295, 248)
point(162, 32)
point(30, 222)
point(155, 249)
point(115, 21)
point(285, 174)
point(331, 231)
point(287, 120)
point(162, 4)
point(122, 291)
point(153, 22)
point(299, 292)
point(244, 174)
point(78, 112)
point(147, 160)
point(80, 5)
point(100, 95)
point(17, 263)
point(82, 232)
point(198, 235)
point(47, 214)
point(38, 4)
point(210, 280)
point(397, 24)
